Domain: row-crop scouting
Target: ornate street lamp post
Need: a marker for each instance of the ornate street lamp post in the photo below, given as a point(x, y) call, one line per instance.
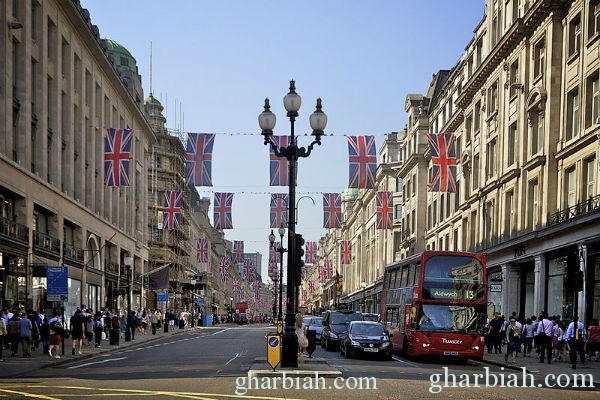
point(266, 121)
point(280, 250)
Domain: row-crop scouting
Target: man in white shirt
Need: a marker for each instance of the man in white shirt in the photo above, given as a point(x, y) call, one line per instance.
point(576, 336)
point(544, 336)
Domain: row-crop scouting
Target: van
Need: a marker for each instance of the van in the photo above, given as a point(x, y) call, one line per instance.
point(335, 323)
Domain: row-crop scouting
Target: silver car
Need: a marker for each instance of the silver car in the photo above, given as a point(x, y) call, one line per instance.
point(314, 324)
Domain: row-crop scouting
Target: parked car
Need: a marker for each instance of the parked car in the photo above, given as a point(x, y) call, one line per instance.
point(335, 322)
point(366, 338)
point(314, 324)
point(371, 317)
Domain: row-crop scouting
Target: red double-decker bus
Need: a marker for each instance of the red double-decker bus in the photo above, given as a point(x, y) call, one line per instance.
point(434, 303)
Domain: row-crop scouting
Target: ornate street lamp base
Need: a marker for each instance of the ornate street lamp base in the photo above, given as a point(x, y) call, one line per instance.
point(289, 342)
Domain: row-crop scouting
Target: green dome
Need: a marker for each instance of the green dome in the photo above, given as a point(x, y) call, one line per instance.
point(122, 56)
point(350, 192)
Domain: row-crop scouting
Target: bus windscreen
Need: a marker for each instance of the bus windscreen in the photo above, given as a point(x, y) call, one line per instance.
point(453, 279)
point(445, 318)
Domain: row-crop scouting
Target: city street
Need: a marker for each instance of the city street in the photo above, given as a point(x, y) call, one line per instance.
point(207, 363)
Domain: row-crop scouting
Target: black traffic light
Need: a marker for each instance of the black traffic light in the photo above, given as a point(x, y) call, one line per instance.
point(574, 278)
point(298, 263)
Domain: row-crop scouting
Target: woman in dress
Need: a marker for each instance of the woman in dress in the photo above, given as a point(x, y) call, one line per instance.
point(301, 334)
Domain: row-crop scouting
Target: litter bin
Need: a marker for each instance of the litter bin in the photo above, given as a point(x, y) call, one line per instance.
point(312, 342)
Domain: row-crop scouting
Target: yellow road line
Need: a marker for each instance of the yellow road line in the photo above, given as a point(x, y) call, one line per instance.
point(192, 395)
point(34, 395)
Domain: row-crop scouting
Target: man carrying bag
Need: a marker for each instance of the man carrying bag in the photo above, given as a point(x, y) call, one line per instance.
point(544, 336)
point(576, 337)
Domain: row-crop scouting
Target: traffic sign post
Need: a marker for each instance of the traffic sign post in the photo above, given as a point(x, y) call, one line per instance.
point(58, 283)
point(273, 350)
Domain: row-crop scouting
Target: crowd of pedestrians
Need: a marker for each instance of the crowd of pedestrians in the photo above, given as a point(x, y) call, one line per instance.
point(32, 330)
point(551, 338)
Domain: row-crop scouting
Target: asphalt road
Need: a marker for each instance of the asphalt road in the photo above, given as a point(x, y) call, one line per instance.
point(214, 365)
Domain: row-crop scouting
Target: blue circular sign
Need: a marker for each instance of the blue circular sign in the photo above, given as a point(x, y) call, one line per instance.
point(273, 342)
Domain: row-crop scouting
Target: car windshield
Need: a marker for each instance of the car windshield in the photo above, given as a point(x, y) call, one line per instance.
point(344, 318)
point(438, 317)
point(367, 330)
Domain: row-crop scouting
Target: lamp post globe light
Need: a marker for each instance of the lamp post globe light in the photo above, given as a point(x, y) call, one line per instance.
point(266, 120)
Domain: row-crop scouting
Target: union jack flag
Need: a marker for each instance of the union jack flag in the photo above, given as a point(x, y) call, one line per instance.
point(248, 268)
point(272, 269)
point(273, 253)
point(172, 210)
point(235, 285)
point(224, 268)
point(117, 150)
point(279, 210)
point(279, 165)
point(222, 211)
point(332, 210)
point(363, 161)
point(443, 158)
point(346, 250)
point(321, 274)
point(202, 250)
point(238, 251)
point(198, 159)
point(303, 295)
point(384, 210)
point(327, 269)
point(312, 249)
point(311, 287)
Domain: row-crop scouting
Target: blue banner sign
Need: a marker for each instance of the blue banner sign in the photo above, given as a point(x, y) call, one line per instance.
point(162, 296)
point(57, 278)
point(200, 302)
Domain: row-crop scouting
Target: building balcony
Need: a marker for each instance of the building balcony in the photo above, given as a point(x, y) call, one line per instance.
point(111, 268)
point(72, 253)
point(46, 244)
point(14, 231)
point(585, 207)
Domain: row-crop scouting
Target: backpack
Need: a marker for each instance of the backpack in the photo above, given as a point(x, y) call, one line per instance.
point(97, 324)
point(56, 326)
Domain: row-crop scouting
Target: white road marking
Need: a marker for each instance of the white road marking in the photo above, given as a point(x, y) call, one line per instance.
point(216, 333)
point(234, 357)
point(405, 362)
point(96, 362)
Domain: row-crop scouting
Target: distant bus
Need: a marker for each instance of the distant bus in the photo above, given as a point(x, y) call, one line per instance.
point(434, 303)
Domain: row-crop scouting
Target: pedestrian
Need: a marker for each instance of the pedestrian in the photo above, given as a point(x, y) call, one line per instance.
point(25, 328)
point(593, 343)
point(89, 327)
point(512, 339)
point(115, 329)
point(302, 340)
point(495, 334)
point(561, 341)
point(56, 328)
point(77, 324)
point(35, 328)
point(98, 327)
point(544, 336)
point(45, 335)
point(154, 321)
point(527, 337)
point(576, 337)
point(13, 334)
point(144, 321)
point(3, 333)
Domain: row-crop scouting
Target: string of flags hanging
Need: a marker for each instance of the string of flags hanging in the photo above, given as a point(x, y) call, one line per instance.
point(362, 167)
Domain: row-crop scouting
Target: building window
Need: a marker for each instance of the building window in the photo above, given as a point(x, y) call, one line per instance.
point(575, 36)
point(511, 145)
point(468, 127)
point(479, 55)
point(592, 101)
point(455, 240)
point(572, 114)
point(589, 178)
point(537, 131)
point(514, 78)
point(398, 210)
point(539, 58)
point(492, 99)
point(477, 118)
point(473, 234)
point(412, 221)
point(491, 158)
point(475, 171)
point(434, 210)
point(508, 213)
point(594, 18)
point(428, 216)
point(570, 195)
point(533, 204)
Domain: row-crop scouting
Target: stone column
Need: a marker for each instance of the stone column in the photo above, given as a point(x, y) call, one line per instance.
point(539, 291)
point(512, 289)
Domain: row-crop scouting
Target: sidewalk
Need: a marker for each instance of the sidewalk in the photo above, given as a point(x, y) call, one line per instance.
point(19, 366)
point(532, 364)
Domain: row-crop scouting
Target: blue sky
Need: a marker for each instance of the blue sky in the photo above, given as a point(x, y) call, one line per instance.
point(218, 60)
